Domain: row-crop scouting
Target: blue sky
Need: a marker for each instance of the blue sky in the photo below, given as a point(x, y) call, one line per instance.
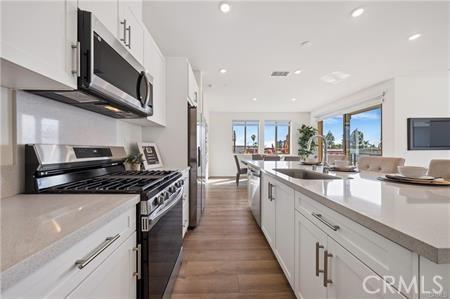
point(368, 122)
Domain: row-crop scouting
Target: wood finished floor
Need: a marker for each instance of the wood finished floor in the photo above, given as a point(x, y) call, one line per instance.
point(227, 256)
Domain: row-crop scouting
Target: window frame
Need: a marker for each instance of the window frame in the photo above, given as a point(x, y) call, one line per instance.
point(254, 122)
point(346, 118)
point(275, 122)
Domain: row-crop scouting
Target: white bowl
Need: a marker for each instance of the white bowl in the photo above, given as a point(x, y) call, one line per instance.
point(412, 171)
point(341, 163)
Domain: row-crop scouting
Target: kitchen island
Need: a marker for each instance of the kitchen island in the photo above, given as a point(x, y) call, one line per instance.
point(391, 229)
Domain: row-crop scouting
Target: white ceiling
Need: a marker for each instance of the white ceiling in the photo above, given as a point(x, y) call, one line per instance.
point(256, 38)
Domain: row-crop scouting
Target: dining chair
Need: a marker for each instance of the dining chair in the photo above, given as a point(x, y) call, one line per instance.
point(292, 158)
point(257, 157)
point(240, 170)
point(380, 164)
point(439, 168)
point(271, 158)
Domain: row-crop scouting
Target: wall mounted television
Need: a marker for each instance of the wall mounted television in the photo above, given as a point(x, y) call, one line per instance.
point(428, 133)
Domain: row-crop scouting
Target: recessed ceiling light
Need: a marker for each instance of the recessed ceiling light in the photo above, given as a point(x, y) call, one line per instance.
point(293, 99)
point(254, 99)
point(223, 71)
point(297, 72)
point(414, 36)
point(225, 7)
point(357, 12)
point(305, 44)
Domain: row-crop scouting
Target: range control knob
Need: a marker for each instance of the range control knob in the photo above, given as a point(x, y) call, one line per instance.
point(172, 189)
point(179, 184)
point(160, 199)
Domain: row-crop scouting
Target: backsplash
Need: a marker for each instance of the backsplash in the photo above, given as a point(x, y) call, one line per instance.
point(40, 120)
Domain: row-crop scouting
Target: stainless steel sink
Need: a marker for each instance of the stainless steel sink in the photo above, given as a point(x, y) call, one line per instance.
point(304, 174)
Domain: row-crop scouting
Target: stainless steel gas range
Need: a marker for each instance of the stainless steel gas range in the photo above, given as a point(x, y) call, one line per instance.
point(100, 169)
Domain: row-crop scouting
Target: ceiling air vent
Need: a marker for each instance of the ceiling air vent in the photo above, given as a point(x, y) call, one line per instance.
point(279, 74)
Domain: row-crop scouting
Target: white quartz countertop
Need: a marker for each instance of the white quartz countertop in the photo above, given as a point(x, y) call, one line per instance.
point(35, 228)
point(415, 217)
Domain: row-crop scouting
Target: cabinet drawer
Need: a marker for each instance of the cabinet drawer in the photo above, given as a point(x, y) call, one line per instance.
point(63, 274)
point(378, 253)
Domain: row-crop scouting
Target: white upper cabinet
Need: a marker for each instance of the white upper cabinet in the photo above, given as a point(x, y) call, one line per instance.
point(155, 64)
point(131, 30)
point(36, 44)
point(106, 11)
point(193, 90)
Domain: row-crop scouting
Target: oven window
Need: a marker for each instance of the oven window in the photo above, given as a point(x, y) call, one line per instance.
point(111, 67)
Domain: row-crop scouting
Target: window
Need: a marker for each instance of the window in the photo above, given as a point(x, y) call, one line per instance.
point(245, 137)
point(333, 130)
point(354, 134)
point(277, 137)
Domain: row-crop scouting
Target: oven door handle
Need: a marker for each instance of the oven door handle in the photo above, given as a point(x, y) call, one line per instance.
point(154, 219)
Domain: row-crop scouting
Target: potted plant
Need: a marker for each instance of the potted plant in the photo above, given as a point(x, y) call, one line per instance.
point(133, 162)
point(305, 133)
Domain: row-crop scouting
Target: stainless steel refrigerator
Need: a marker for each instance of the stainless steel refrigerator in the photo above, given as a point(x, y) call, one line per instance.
point(197, 163)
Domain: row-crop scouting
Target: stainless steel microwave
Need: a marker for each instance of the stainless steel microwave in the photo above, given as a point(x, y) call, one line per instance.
point(110, 80)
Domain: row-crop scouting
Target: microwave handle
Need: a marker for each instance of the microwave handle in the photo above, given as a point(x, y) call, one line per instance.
point(143, 76)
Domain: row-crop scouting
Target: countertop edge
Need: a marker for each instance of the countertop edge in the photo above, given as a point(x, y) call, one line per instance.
point(436, 255)
point(26, 267)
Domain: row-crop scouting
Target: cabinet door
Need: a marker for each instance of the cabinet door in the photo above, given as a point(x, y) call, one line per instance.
point(155, 64)
point(310, 243)
point(268, 210)
point(106, 11)
point(350, 278)
point(38, 36)
point(284, 228)
point(114, 278)
point(436, 279)
point(131, 30)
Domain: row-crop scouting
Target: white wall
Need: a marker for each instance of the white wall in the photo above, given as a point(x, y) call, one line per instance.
point(412, 96)
point(41, 120)
point(419, 97)
point(221, 161)
point(172, 139)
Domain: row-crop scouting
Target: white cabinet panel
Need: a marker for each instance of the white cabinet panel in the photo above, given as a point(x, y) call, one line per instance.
point(114, 277)
point(268, 210)
point(155, 64)
point(350, 278)
point(310, 243)
point(37, 36)
point(284, 228)
point(106, 11)
point(131, 30)
point(436, 279)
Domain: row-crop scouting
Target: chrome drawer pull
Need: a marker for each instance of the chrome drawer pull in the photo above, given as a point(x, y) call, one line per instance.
point(92, 255)
point(138, 251)
point(319, 217)
point(326, 281)
point(318, 247)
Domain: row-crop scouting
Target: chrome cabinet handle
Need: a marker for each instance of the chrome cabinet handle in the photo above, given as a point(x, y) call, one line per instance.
point(318, 247)
point(76, 59)
point(124, 38)
point(326, 281)
point(320, 218)
point(129, 37)
point(138, 250)
point(271, 192)
point(92, 255)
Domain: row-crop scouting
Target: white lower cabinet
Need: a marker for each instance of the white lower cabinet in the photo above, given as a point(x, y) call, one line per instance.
point(325, 269)
point(268, 210)
point(283, 197)
point(310, 242)
point(114, 277)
